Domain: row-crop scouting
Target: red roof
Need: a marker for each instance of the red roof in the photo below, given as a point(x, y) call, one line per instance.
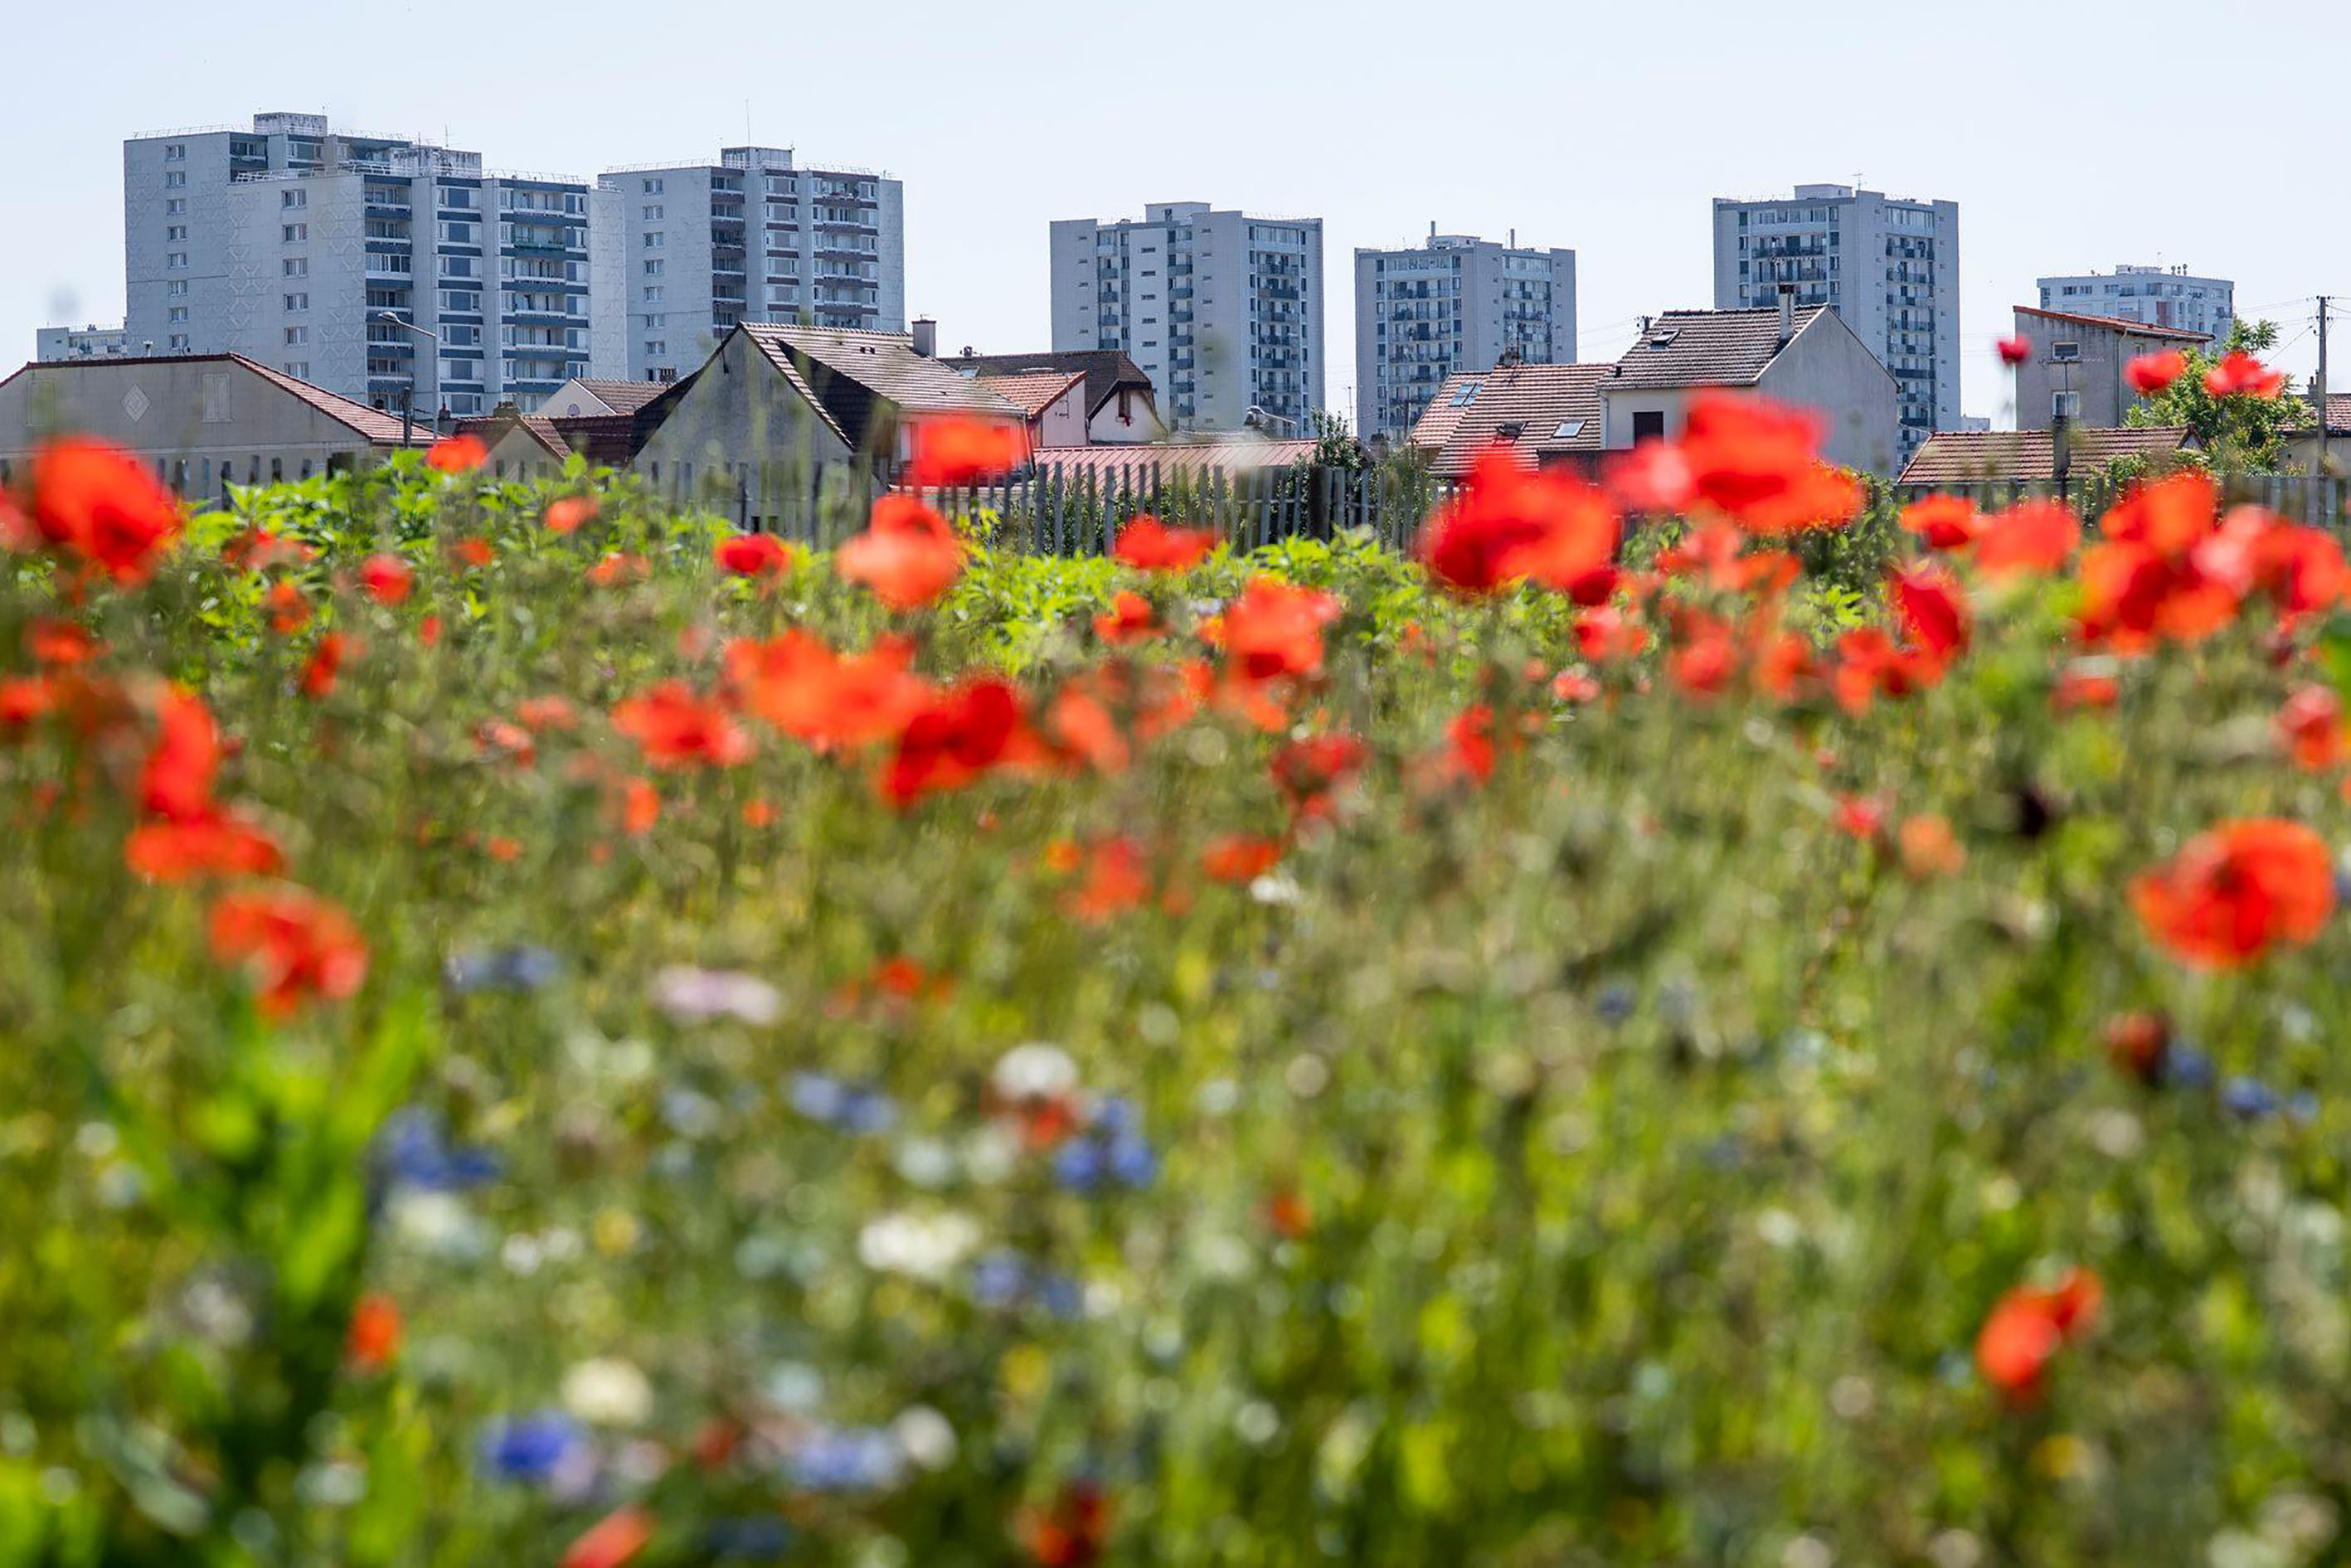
point(1034, 392)
point(2116, 324)
point(1537, 410)
point(1977, 457)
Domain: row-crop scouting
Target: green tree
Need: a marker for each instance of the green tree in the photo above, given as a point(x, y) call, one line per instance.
point(2239, 433)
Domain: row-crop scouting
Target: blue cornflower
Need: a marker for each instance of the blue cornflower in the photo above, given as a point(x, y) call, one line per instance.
point(1061, 1296)
point(413, 1153)
point(998, 1279)
point(1615, 1002)
point(2249, 1098)
point(1131, 1160)
point(823, 1098)
point(1078, 1165)
point(846, 1459)
point(521, 967)
point(754, 1538)
point(2186, 1067)
point(530, 1447)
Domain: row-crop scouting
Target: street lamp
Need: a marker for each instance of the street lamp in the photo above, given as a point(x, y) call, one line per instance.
point(408, 398)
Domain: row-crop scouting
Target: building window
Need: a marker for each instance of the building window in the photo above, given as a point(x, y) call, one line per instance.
point(653, 187)
point(178, 342)
point(296, 336)
point(653, 239)
point(175, 180)
point(176, 234)
point(297, 302)
point(295, 197)
point(652, 269)
point(1648, 424)
point(176, 289)
point(176, 207)
point(174, 151)
point(656, 348)
point(295, 234)
point(652, 213)
point(2065, 405)
point(300, 371)
point(295, 266)
point(176, 261)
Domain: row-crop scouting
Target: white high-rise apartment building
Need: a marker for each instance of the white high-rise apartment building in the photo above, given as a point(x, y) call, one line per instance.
point(1890, 266)
point(53, 344)
point(684, 252)
point(1459, 303)
point(1222, 310)
point(387, 269)
point(2151, 295)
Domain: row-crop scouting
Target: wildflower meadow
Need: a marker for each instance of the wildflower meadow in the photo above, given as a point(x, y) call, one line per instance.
point(1702, 1016)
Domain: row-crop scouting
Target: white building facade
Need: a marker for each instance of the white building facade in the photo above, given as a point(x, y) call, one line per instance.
point(385, 269)
point(684, 253)
point(1222, 310)
point(2151, 295)
point(1459, 303)
point(54, 345)
point(1890, 267)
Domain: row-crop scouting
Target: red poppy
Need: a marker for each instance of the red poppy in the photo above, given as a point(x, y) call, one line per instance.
point(17, 533)
point(1932, 608)
point(1654, 477)
point(2242, 375)
point(61, 644)
point(1275, 629)
point(1512, 525)
point(373, 1339)
point(827, 699)
point(1074, 1534)
point(176, 782)
point(100, 504)
point(23, 699)
point(2081, 688)
point(907, 556)
point(546, 713)
point(1115, 880)
point(335, 649)
point(2234, 893)
point(954, 739)
point(1130, 620)
point(1705, 657)
point(753, 555)
point(2150, 374)
point(1608, 634)
point(258, 550)
point(2014, 350)
point(1929, 848)
point(1470, 743)
point(675, 728)
point(2301, 568)
point(2031, 537)
point(1759, 464)
point(1288, 1215)
point(2029, 1325)
point(1861, 817)
point(506, 742)
point(956, 449)
point(1240, 857)
point(640, 806)
point(293, 943)
point(568, 513)
point(457, 455)
point(1942, 522)
point(1870, 665)
point(428, 631)
point(386, 578)
point(214, 844)
point(1307, 772)
point(618, 568)
point(2161, 568)
point(1149, 544)
point(286, 608)
point(2310, 726)
point(611, 1540)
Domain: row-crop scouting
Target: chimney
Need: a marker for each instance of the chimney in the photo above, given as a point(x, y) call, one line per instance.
point(926, 336)
point(1787, 313)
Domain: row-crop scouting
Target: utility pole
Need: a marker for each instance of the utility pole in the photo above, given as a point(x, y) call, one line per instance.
point(2319, 384)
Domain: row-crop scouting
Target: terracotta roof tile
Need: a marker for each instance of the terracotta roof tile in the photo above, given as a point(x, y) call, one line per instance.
point(1107, 370)
point(1033, 391)
point(1708, 347)
point(849, 374)
point(1975, 456)
point(378, 426)
point(2116, 324)
point(1540, 410)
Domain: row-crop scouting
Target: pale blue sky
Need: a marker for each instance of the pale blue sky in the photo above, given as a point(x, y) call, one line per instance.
point(2071, 135)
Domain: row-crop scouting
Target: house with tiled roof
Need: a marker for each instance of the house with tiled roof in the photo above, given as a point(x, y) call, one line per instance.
point(1542, 415)
point(1807, 358)
point(521, 445)
point(2077, 366)
point(1054, 401)
point(754, 431)
point(591, 397)
point(2310, 450)
point(203, 420)
point(1963, 459)
point(1121, 406)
